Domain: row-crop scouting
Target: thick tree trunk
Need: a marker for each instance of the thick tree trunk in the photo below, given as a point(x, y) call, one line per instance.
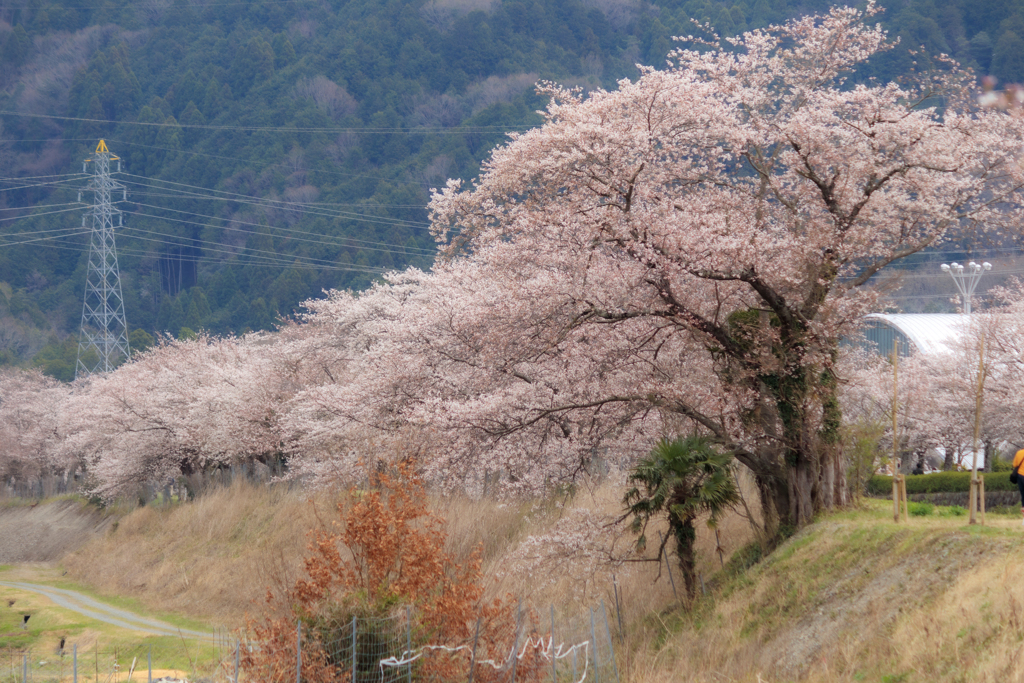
point(799, 468)
point(828, 479)
point(686, 535)
point(801, 500)
point(842, 488)
point(811, 469)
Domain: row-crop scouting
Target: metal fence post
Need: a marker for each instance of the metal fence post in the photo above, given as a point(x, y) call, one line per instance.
point(593, 645)
point(515, 642)
point(618, 608)
point(149, 663)
point(472, 658)
point(354, 650)
point(238, 646)
point(611, 645)
point(408, 641)
point(24, 668)
point(554, 660)
point(298, 652)
point(74, 663)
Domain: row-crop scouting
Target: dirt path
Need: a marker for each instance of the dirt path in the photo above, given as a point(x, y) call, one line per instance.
point(94, 609)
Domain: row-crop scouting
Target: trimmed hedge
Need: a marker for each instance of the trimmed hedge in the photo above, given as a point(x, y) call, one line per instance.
point(941, 482)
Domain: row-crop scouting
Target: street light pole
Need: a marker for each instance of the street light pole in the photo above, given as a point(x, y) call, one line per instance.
point(966, 279)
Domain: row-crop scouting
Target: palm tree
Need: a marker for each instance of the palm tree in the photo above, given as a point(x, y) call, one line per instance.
point(683, 478)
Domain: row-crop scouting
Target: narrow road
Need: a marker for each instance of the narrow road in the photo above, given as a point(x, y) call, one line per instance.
point(94, 609)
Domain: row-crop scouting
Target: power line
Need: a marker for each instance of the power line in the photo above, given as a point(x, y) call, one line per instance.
point(56, 184)
point(221, 156)
point(284, 204)
point(202, 259)
point(203, 6)
point(37, 177)
point(33, 215)
point(39, 232)
point(43, 239)
point(364, 205)
point(914, 275)
point(453, 130)
point(184, 243)
point(37, 206)
point(293, 206)
point(424, 252)
point(20, 140)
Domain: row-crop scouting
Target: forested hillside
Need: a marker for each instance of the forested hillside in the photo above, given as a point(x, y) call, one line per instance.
point(272, 149)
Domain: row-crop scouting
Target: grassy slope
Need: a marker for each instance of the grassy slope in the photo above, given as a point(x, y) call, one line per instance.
point(213, 559)
point(854, 597)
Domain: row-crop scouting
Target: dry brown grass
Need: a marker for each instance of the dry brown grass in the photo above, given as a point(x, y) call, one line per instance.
point(211, 558)
point(852, 598)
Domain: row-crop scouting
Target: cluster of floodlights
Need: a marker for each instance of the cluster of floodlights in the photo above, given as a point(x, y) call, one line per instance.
point(966, 279)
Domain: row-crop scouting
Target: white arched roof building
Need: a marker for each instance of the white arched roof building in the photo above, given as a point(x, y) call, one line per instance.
point(924, 332)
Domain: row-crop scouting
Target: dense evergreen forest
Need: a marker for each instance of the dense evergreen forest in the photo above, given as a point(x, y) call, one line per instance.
point(272, 149)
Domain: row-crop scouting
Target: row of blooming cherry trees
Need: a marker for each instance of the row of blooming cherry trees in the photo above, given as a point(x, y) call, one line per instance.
point(683, 253)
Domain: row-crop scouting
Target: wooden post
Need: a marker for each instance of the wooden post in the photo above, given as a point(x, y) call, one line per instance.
point(977, 429)
point(895, 437)
point(900, 506)
point(896, 498)
point(903, 498)
point(972, 501)
point(981, 497)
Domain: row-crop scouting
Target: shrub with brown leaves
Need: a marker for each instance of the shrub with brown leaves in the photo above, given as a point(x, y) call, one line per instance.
point(381, 566)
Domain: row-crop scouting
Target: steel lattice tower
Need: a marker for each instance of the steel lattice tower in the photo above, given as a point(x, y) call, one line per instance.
point(103, 340)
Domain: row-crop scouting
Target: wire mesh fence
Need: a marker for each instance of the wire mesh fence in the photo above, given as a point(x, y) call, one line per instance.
point(523, 645)
point(520, 645)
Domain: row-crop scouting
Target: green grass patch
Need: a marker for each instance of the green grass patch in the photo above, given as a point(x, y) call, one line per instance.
point(920, 509)
point(98, 643)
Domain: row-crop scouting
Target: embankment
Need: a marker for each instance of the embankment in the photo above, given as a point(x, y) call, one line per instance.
point(46, 532)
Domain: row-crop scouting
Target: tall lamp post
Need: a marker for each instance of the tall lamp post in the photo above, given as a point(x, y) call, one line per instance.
point(966, 280)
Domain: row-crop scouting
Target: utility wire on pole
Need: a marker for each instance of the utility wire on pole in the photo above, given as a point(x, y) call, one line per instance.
point(103, 338)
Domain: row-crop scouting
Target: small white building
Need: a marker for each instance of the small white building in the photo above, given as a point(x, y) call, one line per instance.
point(923, 332)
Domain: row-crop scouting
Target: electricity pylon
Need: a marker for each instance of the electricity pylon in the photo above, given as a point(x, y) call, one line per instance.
point(103, 339)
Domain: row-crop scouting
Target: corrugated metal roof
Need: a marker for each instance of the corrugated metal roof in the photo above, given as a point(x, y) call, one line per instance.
point(929, 332)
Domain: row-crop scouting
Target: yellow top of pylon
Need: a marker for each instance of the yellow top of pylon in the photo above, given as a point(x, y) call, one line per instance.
point(102, 147)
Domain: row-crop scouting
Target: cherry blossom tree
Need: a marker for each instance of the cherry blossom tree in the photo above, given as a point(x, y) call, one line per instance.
point(693, 245)
point(180, 408)
point(30, 432)
point(926, 415)
point(1004, 351)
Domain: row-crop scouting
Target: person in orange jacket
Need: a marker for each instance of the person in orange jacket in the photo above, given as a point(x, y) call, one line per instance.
point(1018, 462)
